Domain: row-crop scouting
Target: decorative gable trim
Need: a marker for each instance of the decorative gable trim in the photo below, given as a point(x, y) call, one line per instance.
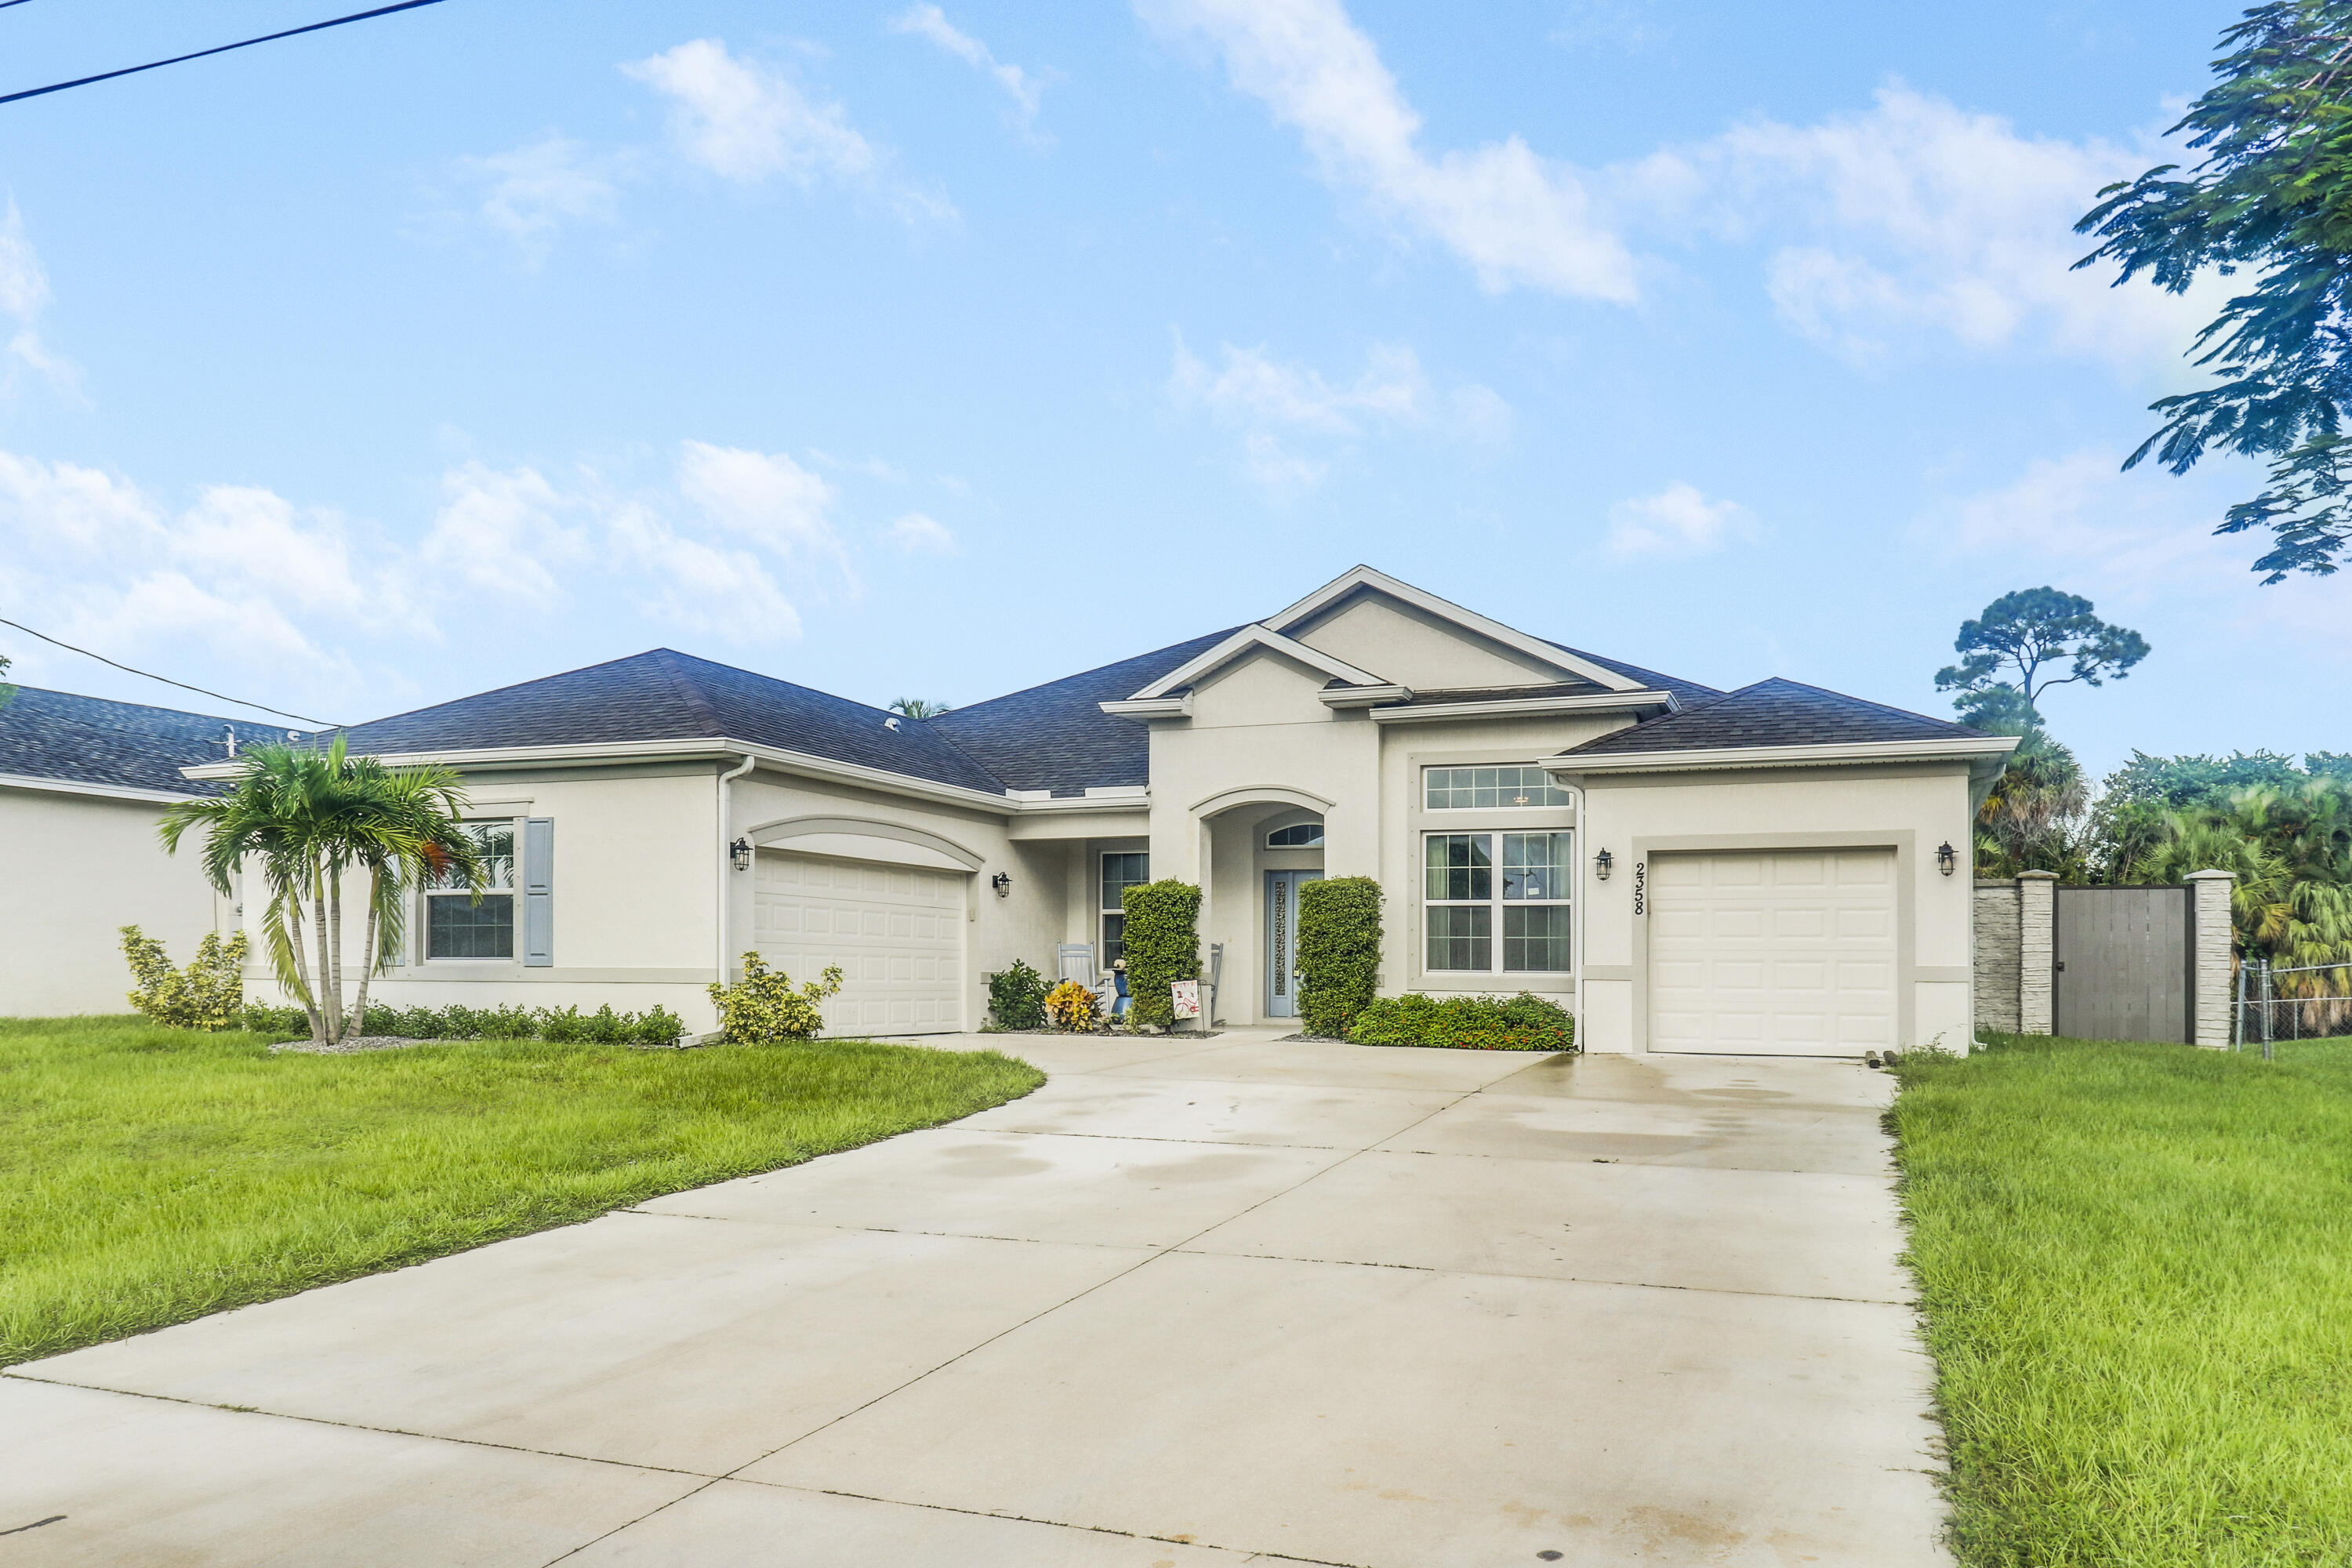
point(1242, 642)
point(1551, 654)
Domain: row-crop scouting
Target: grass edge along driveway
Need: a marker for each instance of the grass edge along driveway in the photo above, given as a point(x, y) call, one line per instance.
point(149, 1175)
point(2134, 1265)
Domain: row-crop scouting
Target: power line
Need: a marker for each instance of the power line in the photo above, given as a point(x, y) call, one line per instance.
point(150, 674)
point(5, 3)
point(219, 50)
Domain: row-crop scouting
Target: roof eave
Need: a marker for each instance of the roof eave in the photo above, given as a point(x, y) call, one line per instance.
point(1514, 707)
point(1570, 764)
point(687, 750)
point(101, 791)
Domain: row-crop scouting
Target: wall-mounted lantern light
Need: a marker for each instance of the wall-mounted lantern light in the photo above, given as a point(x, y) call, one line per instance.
point(739, 852)
point(1003, 883)
point(1602, 863)
point(1946, 857)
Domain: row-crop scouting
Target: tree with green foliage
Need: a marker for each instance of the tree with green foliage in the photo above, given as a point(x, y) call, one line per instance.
point(2014, 652)
point(2271, 198)
point(1338, 952)
point(1162, 943)
point(917, 707)
point(311, 818)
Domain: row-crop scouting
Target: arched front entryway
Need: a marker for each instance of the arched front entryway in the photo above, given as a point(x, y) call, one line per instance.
point(1265, 843)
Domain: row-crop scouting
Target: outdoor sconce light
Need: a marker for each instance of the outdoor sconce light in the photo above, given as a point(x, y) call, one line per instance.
point(1946, 857)
point(739, 852)
point(1601, 864)
point(1003, 883)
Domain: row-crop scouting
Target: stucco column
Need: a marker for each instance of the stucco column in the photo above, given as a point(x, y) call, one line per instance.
point(2208, 893)
point(2037, 932)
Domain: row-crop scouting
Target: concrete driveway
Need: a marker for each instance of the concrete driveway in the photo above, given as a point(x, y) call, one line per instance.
point(1185, 1305)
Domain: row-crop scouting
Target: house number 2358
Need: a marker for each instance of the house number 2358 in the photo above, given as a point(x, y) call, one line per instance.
point(1640, 885)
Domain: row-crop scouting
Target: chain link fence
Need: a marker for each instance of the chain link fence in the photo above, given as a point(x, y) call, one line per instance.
point(2310, 1002)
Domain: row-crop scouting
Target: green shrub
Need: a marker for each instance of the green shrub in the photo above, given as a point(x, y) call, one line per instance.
point(1162, 946)
point(207, 995)
point(764, 1006)
point(1520, 1022)
point(1016, 996)
point(1338, 952)
point(264, 1019)
point(658, 1026)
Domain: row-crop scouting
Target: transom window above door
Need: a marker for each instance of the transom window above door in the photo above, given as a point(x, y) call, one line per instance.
point(1298, 835)
point(1475, 883)
point(1489, 789)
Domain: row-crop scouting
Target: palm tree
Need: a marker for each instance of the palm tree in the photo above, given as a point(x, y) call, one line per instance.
point(2029, 820)
point(917, 707)
point(311, 818)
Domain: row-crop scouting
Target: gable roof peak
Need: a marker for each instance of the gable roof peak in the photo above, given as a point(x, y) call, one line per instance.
point(1372, 579)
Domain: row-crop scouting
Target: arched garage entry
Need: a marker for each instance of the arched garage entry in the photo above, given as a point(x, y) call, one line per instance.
point(889, 904)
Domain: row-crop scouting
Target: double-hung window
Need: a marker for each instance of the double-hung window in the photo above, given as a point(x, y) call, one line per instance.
point(456, 926)
point(1121, 871)
point(1495, 900)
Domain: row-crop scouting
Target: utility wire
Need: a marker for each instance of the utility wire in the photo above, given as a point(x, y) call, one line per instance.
point(150, 674)
point(3, 5)
point(219, 50)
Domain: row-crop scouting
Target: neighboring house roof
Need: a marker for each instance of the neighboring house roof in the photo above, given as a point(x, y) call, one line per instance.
point(1056, 737)
point(664, 695)
point(114, 746)
point(1773, 712)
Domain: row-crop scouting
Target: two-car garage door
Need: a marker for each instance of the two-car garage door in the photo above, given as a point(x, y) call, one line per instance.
point(897, 931)
point(1782, 953)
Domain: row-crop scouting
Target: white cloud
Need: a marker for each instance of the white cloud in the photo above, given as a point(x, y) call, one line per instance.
point(915, 535)
point(1918, 217)
point(504, 533)
point(928, 21)
point(765, 496)
point(1677, 523)
point(704, 587)
point(1276, 405)
point(745, 123)
point(1513, 216)
point(530, 192)
point(23, 295)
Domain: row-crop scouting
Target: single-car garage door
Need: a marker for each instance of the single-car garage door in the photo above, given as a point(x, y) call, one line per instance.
point(897, 931)
point(1782, 953)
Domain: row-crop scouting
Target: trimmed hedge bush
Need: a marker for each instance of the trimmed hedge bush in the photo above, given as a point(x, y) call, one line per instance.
point(1520, 1022)
point(1016, 996)
point(1163, 946)
point(565, 1025)
point(1338, 952)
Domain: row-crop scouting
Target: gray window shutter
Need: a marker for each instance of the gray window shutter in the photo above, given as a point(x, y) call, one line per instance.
point(539, 892)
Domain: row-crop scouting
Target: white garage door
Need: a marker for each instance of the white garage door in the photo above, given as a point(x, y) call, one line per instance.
point(1787, 953)
point(897, 931)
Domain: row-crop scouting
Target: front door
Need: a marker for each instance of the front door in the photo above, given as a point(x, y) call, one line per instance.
point(1282, 940)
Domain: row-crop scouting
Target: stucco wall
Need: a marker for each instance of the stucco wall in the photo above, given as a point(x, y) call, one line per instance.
point(73, 869)
point(1397, 642)
point(1911, 808)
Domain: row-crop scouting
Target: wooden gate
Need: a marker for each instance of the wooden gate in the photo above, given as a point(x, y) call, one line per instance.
point(2124, 961)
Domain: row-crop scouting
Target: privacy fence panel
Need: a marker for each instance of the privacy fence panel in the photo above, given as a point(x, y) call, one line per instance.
point(2122, 964)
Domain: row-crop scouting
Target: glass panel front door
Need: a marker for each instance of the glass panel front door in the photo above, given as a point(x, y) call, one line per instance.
point(1282, 940)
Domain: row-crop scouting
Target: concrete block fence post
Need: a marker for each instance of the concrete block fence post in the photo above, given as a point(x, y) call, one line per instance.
point(2037, 936)
point(2209, 896)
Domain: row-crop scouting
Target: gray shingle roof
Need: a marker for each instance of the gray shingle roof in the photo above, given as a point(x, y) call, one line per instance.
point(664, 695)
point(125, 745)
point(1056, 736)
point(1773, 712)
point(1690, 693)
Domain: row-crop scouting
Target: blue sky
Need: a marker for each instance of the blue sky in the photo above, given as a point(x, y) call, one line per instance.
point(942, 351)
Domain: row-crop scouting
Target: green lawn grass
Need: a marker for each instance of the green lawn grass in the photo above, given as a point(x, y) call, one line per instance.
point(149, 1175)
point(2135, 1265)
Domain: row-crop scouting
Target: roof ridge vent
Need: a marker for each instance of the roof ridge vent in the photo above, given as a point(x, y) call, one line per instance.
point(891, 723)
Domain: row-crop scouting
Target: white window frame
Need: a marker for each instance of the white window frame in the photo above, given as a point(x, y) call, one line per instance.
point(511, 892)
point(1560, 796)
point(1498, 903)
point(1107, 910)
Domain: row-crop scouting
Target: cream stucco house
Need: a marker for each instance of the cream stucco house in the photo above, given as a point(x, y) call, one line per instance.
point(1688, 870)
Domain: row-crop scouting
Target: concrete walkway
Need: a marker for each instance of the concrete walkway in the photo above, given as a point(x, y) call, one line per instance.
point(1185, 1305)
